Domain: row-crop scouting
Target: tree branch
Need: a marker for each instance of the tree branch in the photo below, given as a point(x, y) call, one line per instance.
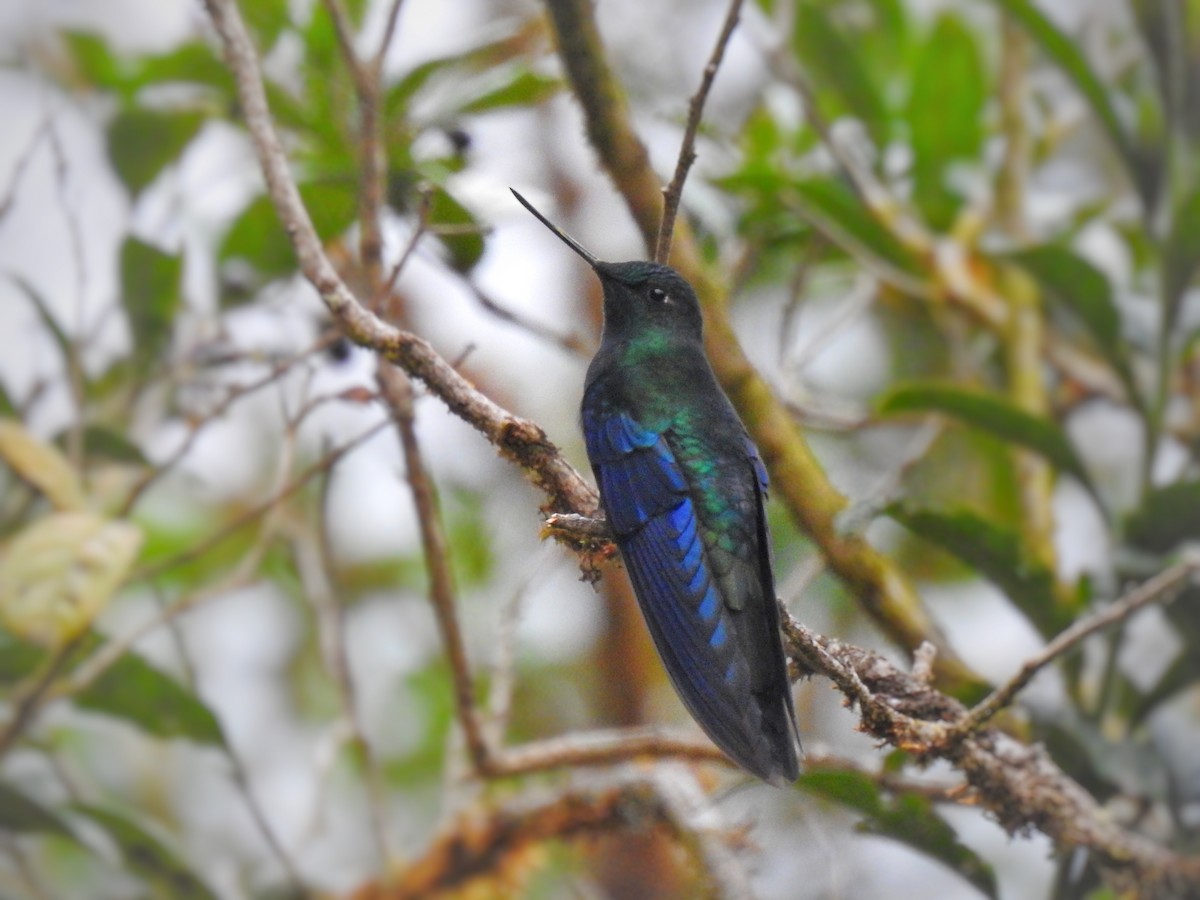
point(687, 153)
point(1019, 784)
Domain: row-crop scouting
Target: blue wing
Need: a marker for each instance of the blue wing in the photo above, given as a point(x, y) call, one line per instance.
point(700, 636)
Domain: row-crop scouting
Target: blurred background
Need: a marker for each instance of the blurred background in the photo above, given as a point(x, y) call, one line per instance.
point(213, 592)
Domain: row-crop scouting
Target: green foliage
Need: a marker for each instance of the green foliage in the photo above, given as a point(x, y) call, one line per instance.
point(130, 689)
point(142, 142)
point(152, 290)
point(907, 817)
point(996, 553)
point(991, 413)
point(146, 856)
point(945, 115)
point(133, 690)
point(20, 813)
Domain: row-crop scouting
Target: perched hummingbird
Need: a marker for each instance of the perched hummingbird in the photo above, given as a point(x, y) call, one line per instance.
point(683, 488)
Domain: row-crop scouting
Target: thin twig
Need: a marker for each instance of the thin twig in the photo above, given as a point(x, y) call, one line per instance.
point(389, 31)
point(232, 396)
point(29, 697)
point(197, 550)
point(22, 164)
point(1152, 590)
point(241, 777)
point(604, 748)
point(687, 152)
point(397, 393)
point(424, 204)
point(318, 573)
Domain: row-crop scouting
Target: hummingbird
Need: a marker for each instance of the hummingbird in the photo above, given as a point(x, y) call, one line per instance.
point(683, 489)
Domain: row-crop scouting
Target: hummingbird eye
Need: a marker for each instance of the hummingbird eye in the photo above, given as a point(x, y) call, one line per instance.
point(658, 294)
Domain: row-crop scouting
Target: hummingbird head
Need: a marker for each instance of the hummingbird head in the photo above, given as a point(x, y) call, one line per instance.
point(639, 296)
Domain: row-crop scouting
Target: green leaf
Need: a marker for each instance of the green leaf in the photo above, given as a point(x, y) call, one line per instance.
point(838, 212)
point(152, 285)
point(1073, 283)
point(148, 858)
point(990, 413)
point(94, 61)
point(259, 239)
point(1168, 516)
point(834, 65)
point(19, 813)
point(1066, 53)
point(135, 691)
point(945, 115)
point(60, 571)
point(996, 553)
point(106, 443)
point(909, 818)
point(463, 239)
point(526, 88)
point(18, 659)
point(268, 18)
point(41, 465)
point(142, 142)
point(1182, 253)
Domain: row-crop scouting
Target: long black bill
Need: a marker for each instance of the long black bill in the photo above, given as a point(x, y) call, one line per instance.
point(562, 235)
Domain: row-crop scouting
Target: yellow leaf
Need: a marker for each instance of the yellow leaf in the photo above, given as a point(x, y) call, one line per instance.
point(57, 574)
point(41, 464)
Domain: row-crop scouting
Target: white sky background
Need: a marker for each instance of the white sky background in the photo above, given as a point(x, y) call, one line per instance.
point(242, 643)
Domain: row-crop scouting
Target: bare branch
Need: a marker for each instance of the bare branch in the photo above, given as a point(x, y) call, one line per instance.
point(1018, 784)
point(487, 842)
point(687, 153)
point(397, 393)
point(1160, 588)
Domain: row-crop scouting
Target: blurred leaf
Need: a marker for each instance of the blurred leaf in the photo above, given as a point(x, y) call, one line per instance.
point(1067, 55)
point(18, 659)
point(42, 465)
point(147, 857)
point(191, 63)
point(142, 142)
point(135, 691)
point(909, 818)
point(19, 813)
point(60, 571)
point(1168, 516)
point(526, 88)
point(834, 65)
point(990, 413)
point(151, 283)
point(94, 61)
point(1075, 284)
point(268, 18)
point(994, 552)
point(106, 443)
point(945, 115)
point(259, 239)
point(838, 212)
point(1181, 253)
point(470, 539)
point(462, 237)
